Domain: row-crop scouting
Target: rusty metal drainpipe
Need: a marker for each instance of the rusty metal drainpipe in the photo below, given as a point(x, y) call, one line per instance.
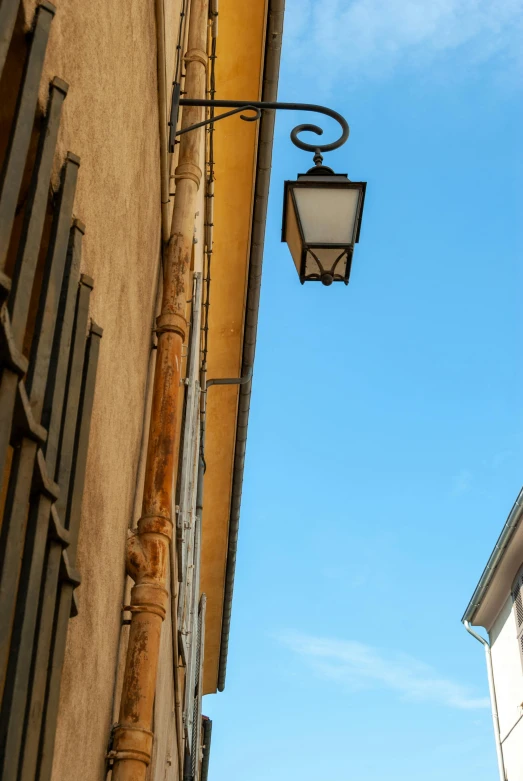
point(148, 549)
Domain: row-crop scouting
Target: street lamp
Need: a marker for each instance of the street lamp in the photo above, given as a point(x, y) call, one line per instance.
point(321, 223)
point(321, 210)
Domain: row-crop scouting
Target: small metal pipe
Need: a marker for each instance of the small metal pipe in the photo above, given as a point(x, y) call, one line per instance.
point(493, 701)
point(231, 380)
point(203, 420)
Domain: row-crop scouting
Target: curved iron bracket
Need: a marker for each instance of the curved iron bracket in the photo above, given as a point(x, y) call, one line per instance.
point(258, 107)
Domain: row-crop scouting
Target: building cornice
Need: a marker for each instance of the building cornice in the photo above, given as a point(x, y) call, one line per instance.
point(496, 580)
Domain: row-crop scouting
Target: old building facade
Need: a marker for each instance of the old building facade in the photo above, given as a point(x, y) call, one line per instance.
point(497, 606)
point(130, 273)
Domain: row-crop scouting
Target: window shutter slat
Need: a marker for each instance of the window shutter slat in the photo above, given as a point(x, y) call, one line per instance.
point(517, 598)
point(197, 702)
point(189, 461)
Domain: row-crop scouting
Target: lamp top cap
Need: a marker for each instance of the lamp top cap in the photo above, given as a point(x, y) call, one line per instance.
point(320, 170)
point(323, 173)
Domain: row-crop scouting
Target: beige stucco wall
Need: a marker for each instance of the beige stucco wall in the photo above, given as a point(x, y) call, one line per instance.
point(106, 51)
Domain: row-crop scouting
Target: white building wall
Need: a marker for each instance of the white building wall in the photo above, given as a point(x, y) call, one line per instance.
point(513, 753)
point(508, 681)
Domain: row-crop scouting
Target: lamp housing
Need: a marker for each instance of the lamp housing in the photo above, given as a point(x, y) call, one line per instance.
point(321, 223)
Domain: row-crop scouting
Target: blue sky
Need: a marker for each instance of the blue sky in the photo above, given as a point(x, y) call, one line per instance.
point(386, 433)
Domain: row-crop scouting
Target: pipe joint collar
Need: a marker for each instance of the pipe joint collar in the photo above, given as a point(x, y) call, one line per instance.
point(149, 598)
point(155, 524)
point(170, 322)
point(196, 55)
point(132, 743)
point(188, 170)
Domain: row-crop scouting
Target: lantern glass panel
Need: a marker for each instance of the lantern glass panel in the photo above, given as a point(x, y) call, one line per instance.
point(292, 233)
point(327, 215)
point(327, 258)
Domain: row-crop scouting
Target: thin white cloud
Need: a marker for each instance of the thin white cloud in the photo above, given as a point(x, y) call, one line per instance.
point(358, 39)
point(499, 459)
point(462, 482)
point(360, 666)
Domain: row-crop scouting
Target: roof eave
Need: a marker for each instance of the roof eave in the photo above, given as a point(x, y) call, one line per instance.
point(496, 557)
point(263, 169)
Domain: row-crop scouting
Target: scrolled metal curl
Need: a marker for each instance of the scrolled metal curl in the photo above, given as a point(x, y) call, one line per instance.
point(315, 129)
point(257, 114)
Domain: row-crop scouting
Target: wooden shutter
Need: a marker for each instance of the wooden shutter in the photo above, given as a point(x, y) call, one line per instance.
point(187, 557)
point(196, 742)
point(194, 638)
